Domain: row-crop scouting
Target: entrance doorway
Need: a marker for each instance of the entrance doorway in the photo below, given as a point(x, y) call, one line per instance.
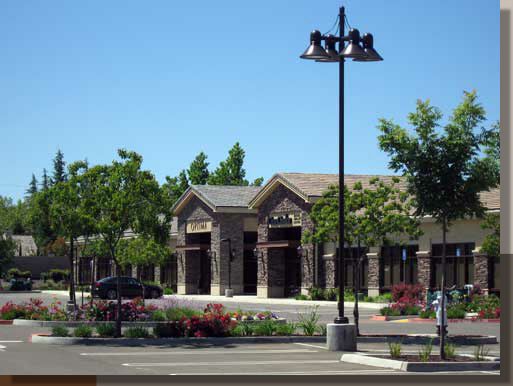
point(200, 258)
point(250, 263)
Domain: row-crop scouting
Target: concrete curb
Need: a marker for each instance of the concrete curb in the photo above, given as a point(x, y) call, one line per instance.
point(46, 339)
point(65, 323)
point(369, 359)
point(425, 338)
point(21, 292)
point(416, 319)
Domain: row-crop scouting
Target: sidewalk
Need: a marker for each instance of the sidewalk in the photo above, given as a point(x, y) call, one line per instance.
point(250, 299)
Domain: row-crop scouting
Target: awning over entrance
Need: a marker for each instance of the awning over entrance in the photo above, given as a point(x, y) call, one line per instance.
point(279, 244)
point(193, 247)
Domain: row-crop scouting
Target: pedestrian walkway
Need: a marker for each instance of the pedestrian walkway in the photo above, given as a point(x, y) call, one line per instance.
point(252, 299)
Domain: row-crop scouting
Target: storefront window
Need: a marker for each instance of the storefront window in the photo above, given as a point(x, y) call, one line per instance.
point(398, 265)
point(459, 264)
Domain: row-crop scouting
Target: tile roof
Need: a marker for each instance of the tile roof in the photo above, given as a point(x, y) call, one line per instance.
point(314, 184)
point(227, 196)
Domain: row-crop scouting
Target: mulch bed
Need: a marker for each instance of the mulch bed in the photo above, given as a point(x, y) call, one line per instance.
point(433, 358)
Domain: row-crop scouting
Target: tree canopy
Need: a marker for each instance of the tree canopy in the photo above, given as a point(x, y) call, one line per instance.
point(198, 170)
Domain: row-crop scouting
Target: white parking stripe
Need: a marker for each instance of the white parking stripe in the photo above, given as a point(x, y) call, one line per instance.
point(312, 345)
point(2, 348)
point(321, 372)
point(177, 364)
point(224, 352)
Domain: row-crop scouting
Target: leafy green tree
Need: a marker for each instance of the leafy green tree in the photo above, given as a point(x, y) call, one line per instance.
point(127, 198)
point(492, 149)
point(68, 214)
point(59, 168)
point(32, 186)
point(198, 170)
point(176, 186)
point(258, 181)
point(230, 171)
point(444, 170)
point(378, 215)
point(39, 220)
point(491, 243)
point(7, 250)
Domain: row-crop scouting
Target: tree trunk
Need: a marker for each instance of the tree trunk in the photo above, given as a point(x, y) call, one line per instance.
point(442, 329)
point(118, 306)
point(356, 279)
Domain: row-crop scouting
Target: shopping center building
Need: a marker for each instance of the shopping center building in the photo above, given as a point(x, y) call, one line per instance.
point(249, 239)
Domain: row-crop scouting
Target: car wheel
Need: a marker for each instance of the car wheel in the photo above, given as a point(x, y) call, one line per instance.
point(112, 294)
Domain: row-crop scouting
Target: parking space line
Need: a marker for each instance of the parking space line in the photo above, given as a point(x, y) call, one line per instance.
point(320, 372)
point(311, 345)
point(217, 352)
point(243, 363)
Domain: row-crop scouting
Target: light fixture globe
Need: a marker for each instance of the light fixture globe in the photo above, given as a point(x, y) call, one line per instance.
point(315, 50)
point(368, 47)
point(353, 49)
point(331, 50)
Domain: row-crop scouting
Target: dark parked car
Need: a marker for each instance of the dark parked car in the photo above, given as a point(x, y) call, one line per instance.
point(106, 288)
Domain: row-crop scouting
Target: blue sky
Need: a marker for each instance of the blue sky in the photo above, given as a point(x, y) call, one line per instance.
point(170, 79)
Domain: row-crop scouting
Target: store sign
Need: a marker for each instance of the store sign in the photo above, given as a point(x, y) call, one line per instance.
point(199, 226)
point(285, 220)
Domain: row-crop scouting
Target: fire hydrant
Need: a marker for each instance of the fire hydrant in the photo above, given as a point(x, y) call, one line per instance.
point(437, 303)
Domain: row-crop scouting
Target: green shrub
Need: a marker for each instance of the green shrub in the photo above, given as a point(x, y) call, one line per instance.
point(244, 329)
point(168, 291)
point(395, 349)
point(136, 332)
point(83, 332)
point(308, 321)
point(455, 313)
point(425, 352)
point(480, 352)
point(348, 295)
point(265, 328)
point(449, 350)
point(316, 293)
point(331, 293)
point(176, 313)
point(58, 275)
point(427, 314)
point(322, 329)
point(411, 310)
point(388, 311)
point(60, 331)
point(301, 297)
point(106, 330)
point(168, 330)
point(285, 329)
point(158, 316)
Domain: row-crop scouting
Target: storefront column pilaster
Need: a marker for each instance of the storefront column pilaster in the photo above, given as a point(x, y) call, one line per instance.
point(374, 273)
point(481, 268)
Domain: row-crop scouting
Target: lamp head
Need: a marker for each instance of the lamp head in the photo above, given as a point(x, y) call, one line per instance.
point(353, 49)
point(330, 49)
point(368, 48)
point(315, 50)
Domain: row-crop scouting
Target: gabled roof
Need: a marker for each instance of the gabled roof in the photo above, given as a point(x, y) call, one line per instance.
point(311, 186)
point(219, 198)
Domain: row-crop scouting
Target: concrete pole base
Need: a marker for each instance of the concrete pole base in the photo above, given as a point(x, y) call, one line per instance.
point(341, 337)
point(228, 292)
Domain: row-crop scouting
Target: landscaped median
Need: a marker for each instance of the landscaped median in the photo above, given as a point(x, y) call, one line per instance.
point(433, 363)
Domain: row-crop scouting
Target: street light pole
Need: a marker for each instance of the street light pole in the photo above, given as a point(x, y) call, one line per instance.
point(341, 319)
point(353, 50)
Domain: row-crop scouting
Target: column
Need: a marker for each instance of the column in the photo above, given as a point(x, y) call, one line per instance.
point(307, 268)
point(424, 270)
point(374, 273)
point(481, 268)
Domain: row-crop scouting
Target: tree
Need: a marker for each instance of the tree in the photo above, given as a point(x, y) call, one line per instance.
point(258, 181)
point(198, 170)
point(32, 186)
point(230, 171)
point(379, 215)
point(59, 168)
point(7, 250)
point(444, 171)
point(39, 219)
point(176, 186)
point(67, 213)
point(127, 198)
point(491, 243)
point(45, 184)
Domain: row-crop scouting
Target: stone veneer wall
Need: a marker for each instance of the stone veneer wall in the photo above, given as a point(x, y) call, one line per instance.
point(481, 273)
point(271, 278)
point(224, 226)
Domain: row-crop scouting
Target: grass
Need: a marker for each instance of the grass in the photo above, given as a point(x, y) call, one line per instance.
point(137, 332)
point(308, 321)
point(176, 313)
point(450, 350)
point(106, 330)
point(480, 352)
point(286, 329)
point(243, 329)
point(395, 349)
point(265, 328)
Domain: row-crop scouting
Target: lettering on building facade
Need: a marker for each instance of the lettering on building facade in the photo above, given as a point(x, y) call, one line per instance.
point(199, 226)
point(285, 220)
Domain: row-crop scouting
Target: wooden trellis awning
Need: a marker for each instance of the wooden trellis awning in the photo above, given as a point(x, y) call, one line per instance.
point(279, 244)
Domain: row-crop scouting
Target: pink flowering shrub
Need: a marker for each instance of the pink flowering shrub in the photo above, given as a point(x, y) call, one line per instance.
point(33, 309)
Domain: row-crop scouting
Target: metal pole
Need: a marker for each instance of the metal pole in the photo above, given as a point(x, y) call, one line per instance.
point(341, 319)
